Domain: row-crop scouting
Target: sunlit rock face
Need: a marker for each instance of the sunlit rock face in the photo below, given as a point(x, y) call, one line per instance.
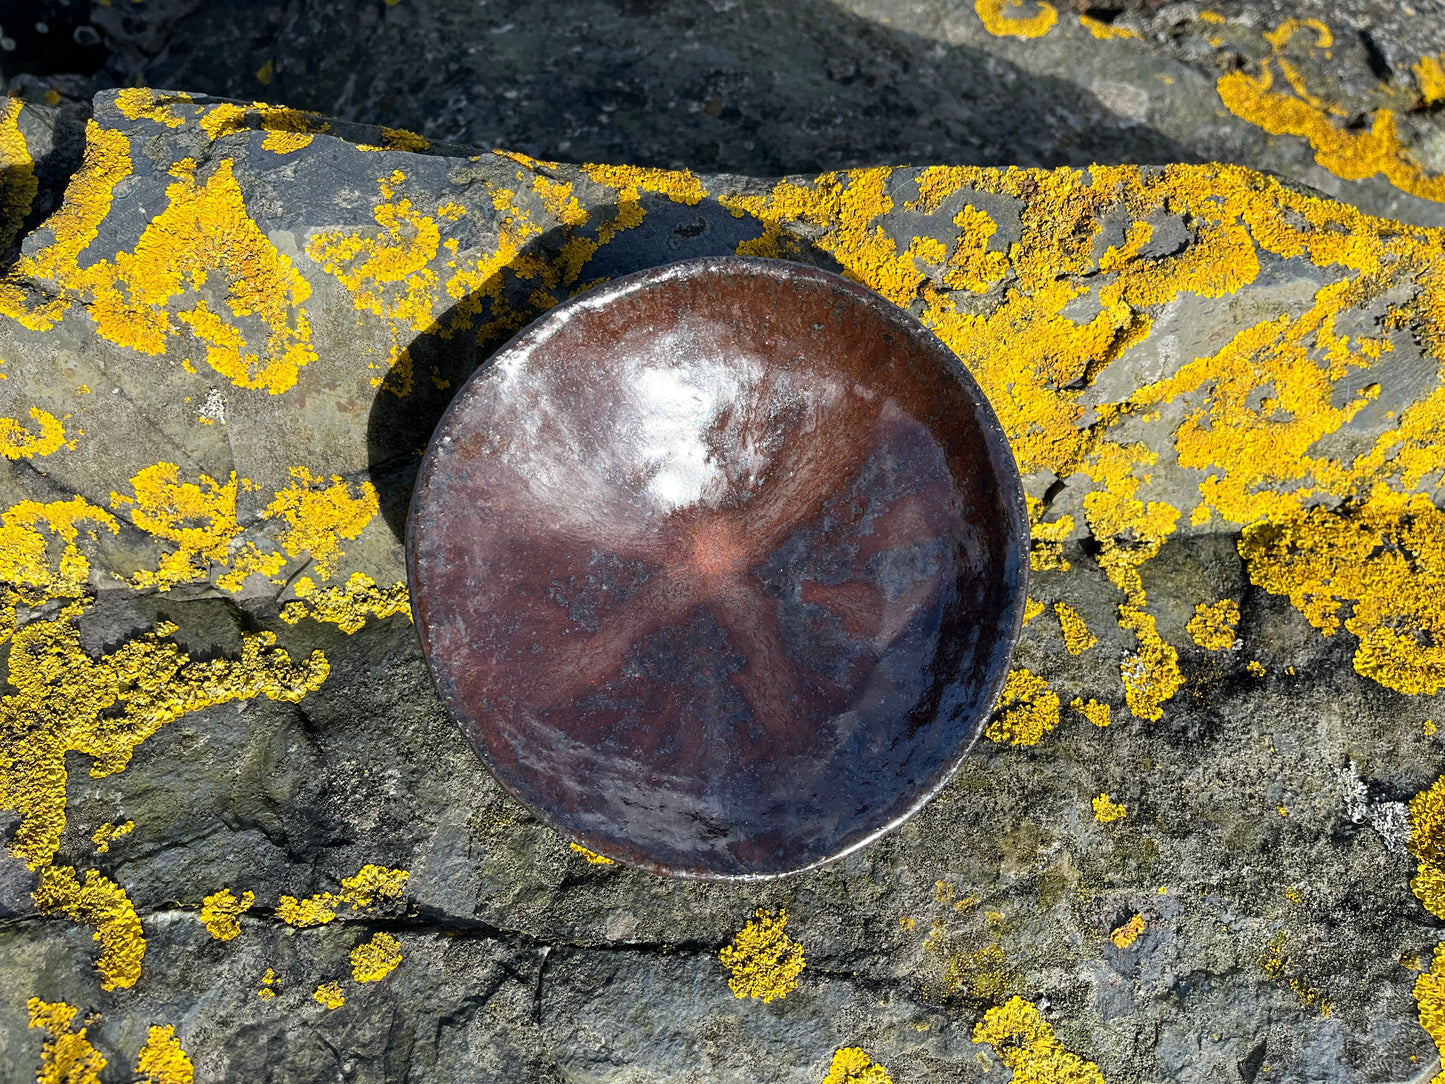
point(719, 567)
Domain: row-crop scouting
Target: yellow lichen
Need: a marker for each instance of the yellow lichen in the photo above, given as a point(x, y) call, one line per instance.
point(321, 515)
point(268, 985)
point(1008, 18)
point(73, 227)
point(1107, 811)
point(401, 139)
point(852, 1065)
point(765, 962)
point(1046, 547)
point(365, 887)
point(108, 833)
point(1348, 154)
point(18, 183)
point(591, 857)
point(1430, 74)
point(1026, 1044)
point(349, 606)
point(1077, 637)
point(1128, 933)
point(140, 103)
point(1255, 667)
point(1213, 625)
point(1106, 31)
point(1427, 845)
point(162, 1061)
point(18, 442)
point(1028, 709)
point(26, 551)
point(1430, 998)
point(329, 994)
point(63, 701)
point(1092, 710)
point(221, 913)
point(203, 243)
point(372, 961)
point(1386, 560)
point(67, 1057)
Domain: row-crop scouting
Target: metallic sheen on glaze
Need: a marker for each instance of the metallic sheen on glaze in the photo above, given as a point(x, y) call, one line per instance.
point(719, 566)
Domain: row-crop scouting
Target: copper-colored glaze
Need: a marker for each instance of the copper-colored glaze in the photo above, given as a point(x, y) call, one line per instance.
point(719, 566)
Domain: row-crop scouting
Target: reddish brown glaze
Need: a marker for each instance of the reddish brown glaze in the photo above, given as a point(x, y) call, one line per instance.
point(719, 566)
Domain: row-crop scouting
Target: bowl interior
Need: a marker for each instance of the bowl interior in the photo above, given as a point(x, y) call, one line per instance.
point(719, 566)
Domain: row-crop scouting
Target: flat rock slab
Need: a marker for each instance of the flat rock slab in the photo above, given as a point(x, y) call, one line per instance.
point(1182, 851)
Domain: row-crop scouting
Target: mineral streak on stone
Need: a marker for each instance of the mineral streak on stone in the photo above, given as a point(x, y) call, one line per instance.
point(720, 567)
point(1218, 387)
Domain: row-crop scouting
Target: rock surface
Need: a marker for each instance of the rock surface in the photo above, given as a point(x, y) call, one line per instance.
point(227, 776)
point(1348, 97)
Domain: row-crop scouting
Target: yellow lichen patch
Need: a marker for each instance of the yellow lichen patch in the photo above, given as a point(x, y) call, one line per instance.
point(67, 1057)
point(203, 243)
point(630, 182)
point(221, 913)
point(386, 274)
point(1213, 625)
point(1430, 74)
point(315, 910)
point(205, 231)
point(321, 514)
point(1026, 1044)
point(1028, 709)
point(349, 606)
point(25, 549)
point(64, 702)
point(765, 962)
point(1077, 637)
point(268, 985)
point(1046, 547)
point(1008, 18)
point(200, 521)
point(402, 139)
point(108, 833)
point(1107, 811)
point(98, 902)
point(852, 1065)
point(1032, 609)
point(1151, 676)
point(372, 961)
point(1386, 559)
point(140, 103)
point(592, 857)
point(1128, 933)
point(1427, 844)
point(1430, 997)
point(370, 883)
point(329, 994)
point(1106, 31)
point(162, 1061)
point(18, 183)
point(1348, 154)
point(18, 442)
point(73, 227)
point(1092, 710)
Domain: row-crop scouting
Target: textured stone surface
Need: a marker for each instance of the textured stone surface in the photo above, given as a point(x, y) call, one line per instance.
point(222, 357)
point(776, 87)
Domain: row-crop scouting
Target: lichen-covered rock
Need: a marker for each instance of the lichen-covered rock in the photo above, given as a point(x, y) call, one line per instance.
point(1190, 846)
